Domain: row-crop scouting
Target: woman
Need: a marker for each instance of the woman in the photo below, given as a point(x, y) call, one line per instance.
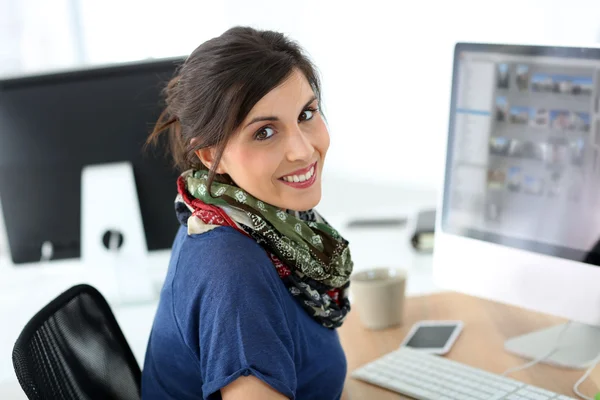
point(258, 281)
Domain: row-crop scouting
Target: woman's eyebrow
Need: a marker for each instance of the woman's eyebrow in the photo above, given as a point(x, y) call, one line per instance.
point(274, 118)
point(308, 102)
point(258, 119)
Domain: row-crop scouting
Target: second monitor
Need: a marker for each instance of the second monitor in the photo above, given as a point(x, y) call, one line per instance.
point(519, 218)
point(52, 125)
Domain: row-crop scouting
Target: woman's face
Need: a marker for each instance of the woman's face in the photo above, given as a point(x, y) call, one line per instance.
point(277, 153)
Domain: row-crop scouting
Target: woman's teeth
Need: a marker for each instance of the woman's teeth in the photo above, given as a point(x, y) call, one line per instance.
point(300, 178)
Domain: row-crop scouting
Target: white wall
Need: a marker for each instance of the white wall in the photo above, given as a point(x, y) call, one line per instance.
point(125, 30)
point(36, 34)
point(387, 68)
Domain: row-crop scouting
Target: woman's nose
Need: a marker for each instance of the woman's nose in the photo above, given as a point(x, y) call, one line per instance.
point(299, 146)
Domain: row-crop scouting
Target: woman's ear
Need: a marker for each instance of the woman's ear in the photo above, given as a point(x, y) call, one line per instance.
point(207, 156)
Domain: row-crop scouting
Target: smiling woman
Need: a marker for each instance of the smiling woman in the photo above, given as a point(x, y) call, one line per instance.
point(258, 280)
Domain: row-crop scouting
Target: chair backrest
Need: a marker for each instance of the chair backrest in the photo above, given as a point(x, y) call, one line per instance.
point(74, 349)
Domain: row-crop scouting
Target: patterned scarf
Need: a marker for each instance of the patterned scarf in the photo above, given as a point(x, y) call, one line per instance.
point(311, 258)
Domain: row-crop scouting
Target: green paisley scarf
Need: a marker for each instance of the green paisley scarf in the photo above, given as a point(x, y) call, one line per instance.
point(313, 248)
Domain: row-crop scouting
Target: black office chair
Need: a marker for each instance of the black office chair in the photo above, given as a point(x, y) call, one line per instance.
point(73, 349)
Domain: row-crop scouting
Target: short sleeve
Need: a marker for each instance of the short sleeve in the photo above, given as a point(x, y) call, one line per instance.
point(242, 325)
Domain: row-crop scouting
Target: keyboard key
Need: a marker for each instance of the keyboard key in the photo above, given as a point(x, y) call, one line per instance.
point(410, 390)
point(531, 395)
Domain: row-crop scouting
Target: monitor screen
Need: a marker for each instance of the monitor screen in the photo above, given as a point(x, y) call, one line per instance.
point(53, 125)
point(523, 166)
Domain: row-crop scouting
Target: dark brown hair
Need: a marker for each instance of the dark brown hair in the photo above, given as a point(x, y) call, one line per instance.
point(218, 84)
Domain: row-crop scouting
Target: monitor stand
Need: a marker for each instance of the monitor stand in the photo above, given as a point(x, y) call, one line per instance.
point(578, 348)
point(112, 232)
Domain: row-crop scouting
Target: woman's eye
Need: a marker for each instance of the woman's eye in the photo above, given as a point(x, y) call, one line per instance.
point(306, 115)
point(264, 133)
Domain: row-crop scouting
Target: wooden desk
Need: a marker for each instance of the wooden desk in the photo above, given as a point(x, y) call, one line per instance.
point(481, 344)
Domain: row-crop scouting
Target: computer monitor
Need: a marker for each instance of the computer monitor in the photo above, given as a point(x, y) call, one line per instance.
point(520, 205)
point(54, 124)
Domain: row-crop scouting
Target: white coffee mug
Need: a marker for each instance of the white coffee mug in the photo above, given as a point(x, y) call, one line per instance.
point(378, 296)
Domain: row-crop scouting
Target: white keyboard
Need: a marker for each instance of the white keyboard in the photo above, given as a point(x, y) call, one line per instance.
point(429, 377)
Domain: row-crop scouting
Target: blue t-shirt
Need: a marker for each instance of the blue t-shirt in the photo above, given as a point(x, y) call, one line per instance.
point(224, 312)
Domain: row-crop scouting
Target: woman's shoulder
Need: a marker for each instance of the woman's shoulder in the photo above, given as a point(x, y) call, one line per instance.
point(223, 270)
point(222, 256)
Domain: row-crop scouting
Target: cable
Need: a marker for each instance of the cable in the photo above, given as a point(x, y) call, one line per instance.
point(535, 361)
point(554, 349)
point(584, 377)
point(114, 241)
